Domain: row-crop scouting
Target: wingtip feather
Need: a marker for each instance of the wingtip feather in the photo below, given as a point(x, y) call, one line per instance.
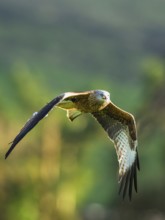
point(6, 156)
point(10, 150)
point(127, 181)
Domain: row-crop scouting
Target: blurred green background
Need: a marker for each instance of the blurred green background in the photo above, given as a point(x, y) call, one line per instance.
point(64, 170)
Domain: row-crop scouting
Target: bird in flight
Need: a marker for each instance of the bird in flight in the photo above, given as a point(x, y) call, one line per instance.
point(119, 125)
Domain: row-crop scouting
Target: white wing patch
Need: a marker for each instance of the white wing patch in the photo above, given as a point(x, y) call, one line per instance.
point(126, 155)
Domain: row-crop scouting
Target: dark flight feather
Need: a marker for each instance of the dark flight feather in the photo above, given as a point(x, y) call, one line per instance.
point(31, 123)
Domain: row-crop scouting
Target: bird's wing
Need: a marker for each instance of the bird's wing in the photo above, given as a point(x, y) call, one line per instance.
point(36, 117)
point(65, 100)
point(121, 129)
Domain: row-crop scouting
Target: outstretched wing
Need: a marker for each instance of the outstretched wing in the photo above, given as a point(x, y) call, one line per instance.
point(121, 129)
point(36, 117)
point(65, 101)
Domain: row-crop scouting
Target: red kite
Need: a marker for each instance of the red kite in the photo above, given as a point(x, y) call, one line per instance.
point(119, 125)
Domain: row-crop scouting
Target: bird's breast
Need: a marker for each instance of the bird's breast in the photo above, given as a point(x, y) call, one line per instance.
point(89, 105)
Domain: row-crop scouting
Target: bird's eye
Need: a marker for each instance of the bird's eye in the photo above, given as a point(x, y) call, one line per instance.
point(104, 97)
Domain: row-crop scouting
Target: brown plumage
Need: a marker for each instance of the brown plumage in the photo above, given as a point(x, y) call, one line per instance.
point(119, 125)
point(121, 129)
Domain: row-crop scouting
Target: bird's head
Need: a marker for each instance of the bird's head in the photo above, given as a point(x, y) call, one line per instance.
point(102, 97)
